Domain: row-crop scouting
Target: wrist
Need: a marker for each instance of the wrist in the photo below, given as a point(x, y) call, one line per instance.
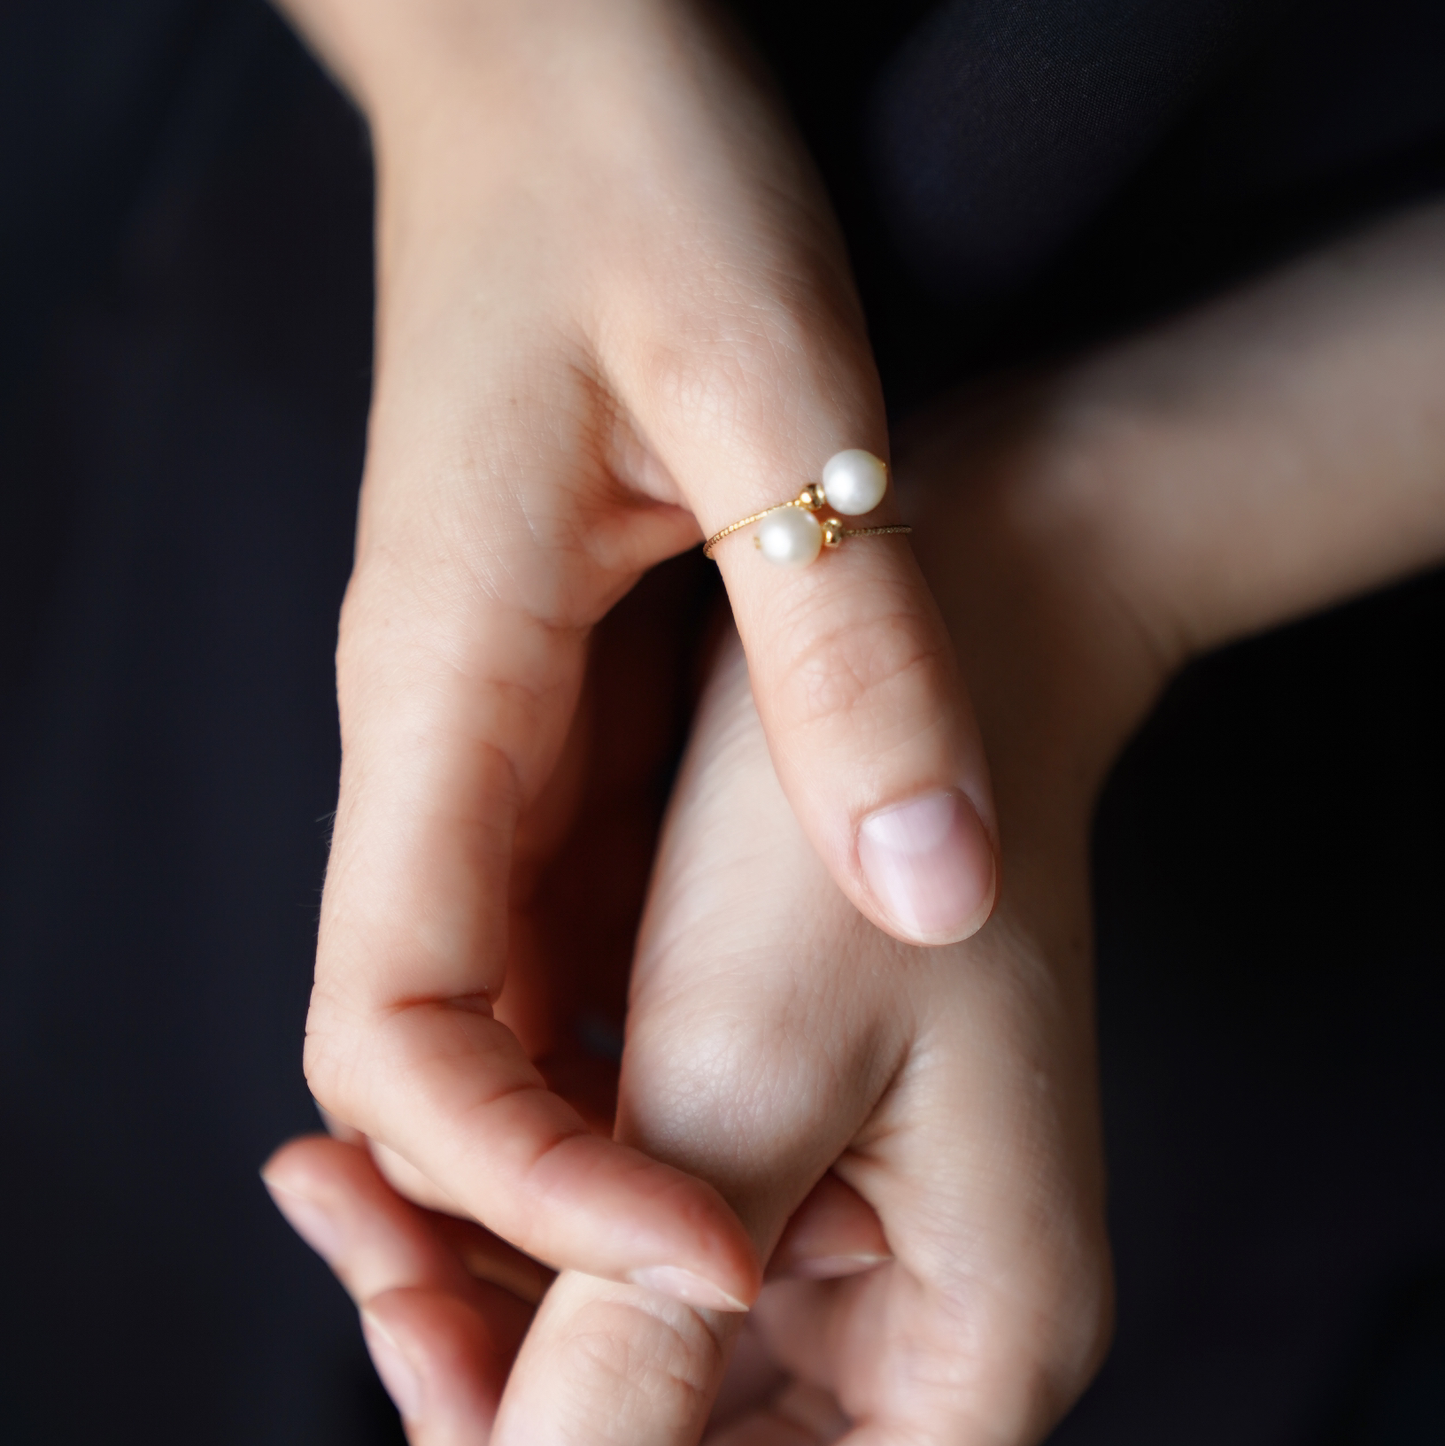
point(510, 63)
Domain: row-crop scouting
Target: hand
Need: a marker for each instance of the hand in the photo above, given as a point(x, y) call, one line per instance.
point(613, 316)
point(772, 1033)
point(1100, 518)
point(1265, 456)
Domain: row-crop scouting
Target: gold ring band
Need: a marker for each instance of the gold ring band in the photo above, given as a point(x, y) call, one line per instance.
point(810, 499)
point(854, 482)
point(803, 499)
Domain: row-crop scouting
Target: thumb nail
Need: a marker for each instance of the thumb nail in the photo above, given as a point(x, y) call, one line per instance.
point(930, 866)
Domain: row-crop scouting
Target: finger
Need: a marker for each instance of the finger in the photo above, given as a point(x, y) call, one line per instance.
point(443, 1361)
point(462, 648)
point(613, 1365)
point(799, 1415)
point(335, 1198)
point(442, 1338)
point(866, 713)
point(523, 1161)
point(949, 1361)
point(752, 1381)
point(316, 1180)
point(835, 1232)
point(317, 1190)
point(489, 1258)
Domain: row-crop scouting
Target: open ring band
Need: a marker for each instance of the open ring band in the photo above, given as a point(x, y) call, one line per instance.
point(792, 536)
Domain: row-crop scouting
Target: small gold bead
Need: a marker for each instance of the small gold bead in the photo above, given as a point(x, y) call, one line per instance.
point(812, 497)
point(832, 532)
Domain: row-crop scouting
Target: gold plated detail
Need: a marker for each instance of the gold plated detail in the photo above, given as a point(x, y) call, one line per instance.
point(733, 527)
point(876, 531)
point(853, 483)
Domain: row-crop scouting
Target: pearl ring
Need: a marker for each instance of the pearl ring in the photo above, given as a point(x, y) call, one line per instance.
point(791, 536)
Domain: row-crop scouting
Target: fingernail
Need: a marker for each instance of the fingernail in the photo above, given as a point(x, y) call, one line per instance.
point(683, 1285)
point(833, 1267)
point(930, 865)
point(397, 1373)
point(313, 1224)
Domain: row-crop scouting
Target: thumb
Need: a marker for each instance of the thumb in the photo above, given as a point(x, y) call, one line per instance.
point(867, 718)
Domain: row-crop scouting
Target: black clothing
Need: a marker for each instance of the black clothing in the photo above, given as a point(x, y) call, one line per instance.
point(184, 353)
point(1060, 169)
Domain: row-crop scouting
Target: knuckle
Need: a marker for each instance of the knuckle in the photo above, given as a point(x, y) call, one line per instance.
point(882, 674)
point(742, 351)
point(325, 1074)
point(710, 385)
point(658, 1368)
point(773, 1068)
point(329, 1058)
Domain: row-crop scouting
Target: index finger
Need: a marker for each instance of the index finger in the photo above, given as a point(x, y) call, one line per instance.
point(457, 688)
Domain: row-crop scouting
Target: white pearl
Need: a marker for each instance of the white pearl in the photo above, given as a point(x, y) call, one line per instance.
point(790, 537)
point(854, 482)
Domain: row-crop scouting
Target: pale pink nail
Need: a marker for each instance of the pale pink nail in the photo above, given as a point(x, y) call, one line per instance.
point(930, 866)
point(397, 1373)
point(834, 1267)
point(683, 1285)
point(313, 1224)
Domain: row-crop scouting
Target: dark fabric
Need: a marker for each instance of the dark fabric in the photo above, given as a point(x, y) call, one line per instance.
point(189, 374)
point(1018, 177)
point(1271, 985)
point(1003, 128)
point(184, 367)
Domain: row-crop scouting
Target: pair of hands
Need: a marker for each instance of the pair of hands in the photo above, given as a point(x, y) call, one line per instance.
point(582, 349)
point(612, 312)
point(907, 1134)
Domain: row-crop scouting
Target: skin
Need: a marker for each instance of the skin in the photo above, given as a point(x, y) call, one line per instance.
point(613, 315)
point(759, 1067)
point(1270, 454)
